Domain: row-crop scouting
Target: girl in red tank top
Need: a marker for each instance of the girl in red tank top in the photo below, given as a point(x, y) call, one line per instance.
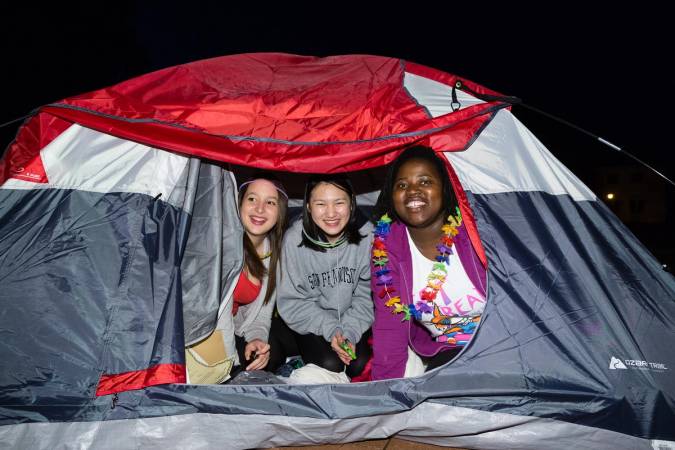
point(262, 210)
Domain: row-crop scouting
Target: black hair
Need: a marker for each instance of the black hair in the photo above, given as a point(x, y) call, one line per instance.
point(384, 203)
point(252, 261)
point(312, 229)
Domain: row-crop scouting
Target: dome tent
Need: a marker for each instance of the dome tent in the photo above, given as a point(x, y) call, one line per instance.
point(119, 237)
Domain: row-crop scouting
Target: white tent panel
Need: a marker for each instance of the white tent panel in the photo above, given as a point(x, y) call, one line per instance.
point(86, 160)
point(434, 96)
point(507, 157)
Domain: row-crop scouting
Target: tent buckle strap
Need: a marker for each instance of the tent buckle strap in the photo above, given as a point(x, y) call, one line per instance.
point(486, 97)
point(455, 105)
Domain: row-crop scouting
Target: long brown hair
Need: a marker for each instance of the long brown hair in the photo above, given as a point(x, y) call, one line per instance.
point(252, 261)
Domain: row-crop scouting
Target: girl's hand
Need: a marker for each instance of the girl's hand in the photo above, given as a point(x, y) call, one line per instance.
point(335, 343)
point(258, 352)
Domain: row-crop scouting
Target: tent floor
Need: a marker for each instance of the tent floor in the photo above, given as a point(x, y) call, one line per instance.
point(377, 444)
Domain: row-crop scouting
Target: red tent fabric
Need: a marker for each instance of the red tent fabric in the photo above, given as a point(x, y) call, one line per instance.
point(283, 112)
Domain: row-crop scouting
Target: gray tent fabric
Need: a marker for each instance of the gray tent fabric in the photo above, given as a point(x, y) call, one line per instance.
point(213, 255)
point(456, 427)
point(89, 274)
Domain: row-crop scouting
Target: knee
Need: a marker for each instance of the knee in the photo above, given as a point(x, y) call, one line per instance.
point(331, 362)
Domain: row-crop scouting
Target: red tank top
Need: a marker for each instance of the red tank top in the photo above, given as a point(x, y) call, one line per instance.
point(244, 292)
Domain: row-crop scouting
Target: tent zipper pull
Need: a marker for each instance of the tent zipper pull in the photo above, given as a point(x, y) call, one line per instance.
point(115, 399)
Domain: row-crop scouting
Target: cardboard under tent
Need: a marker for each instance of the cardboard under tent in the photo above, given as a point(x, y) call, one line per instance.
point(119, 238)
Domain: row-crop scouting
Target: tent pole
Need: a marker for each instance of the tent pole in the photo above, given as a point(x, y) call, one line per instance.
point(517, 101)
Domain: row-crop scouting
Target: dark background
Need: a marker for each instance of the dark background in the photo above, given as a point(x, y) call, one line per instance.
point(601, 68)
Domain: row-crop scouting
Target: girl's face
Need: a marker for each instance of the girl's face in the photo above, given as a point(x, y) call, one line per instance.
point(330, 209)
point(259, 209)
point(417, 194)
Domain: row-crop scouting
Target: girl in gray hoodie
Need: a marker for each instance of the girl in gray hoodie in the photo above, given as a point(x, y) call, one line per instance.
point(324, 290)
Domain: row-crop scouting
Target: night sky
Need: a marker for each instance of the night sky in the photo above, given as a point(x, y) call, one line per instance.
point(603, 69)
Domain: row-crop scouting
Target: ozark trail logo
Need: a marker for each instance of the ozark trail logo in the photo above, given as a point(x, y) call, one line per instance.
point(616, 363)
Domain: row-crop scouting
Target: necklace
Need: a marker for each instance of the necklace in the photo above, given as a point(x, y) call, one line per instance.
point(325, 244)
point(435, 279)
point(265, 256)
point(264, 246)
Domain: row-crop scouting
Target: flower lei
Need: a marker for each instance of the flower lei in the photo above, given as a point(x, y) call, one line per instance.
point(435, 279)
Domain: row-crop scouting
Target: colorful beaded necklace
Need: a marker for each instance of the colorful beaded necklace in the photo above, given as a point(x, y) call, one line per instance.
point(435, 279)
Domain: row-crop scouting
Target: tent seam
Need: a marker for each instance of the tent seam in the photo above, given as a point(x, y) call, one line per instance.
point(491, 110)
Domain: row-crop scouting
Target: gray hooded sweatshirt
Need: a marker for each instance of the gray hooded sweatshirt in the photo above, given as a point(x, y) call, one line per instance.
point(321, 293)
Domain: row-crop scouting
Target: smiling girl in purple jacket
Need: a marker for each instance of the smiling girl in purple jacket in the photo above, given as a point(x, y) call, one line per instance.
point(428, 283)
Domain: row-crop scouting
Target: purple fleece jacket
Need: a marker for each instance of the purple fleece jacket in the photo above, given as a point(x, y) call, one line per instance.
point(390, 335)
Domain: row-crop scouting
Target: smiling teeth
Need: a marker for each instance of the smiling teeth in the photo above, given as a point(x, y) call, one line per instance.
point(415, 204)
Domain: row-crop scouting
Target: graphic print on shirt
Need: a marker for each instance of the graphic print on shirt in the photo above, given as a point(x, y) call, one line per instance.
point(452, 320)
point(332, 278)
point(455, 312)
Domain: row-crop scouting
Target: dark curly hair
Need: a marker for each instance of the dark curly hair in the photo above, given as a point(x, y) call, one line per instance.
point(384, 200)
